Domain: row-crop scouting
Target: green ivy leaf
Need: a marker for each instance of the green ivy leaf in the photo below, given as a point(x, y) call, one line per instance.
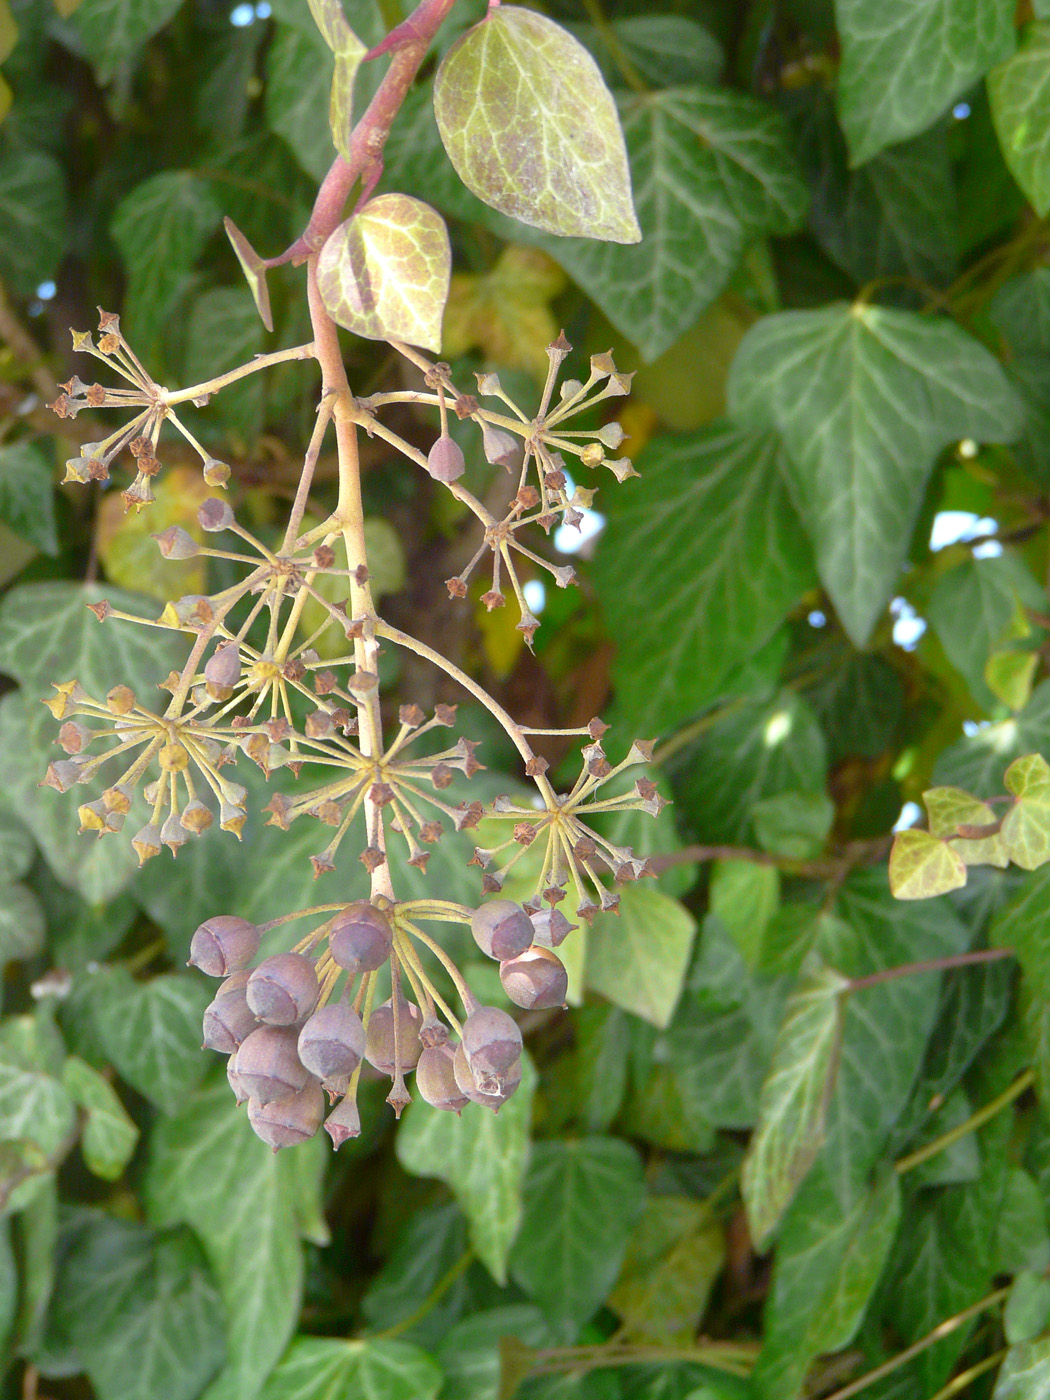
point(109, 1136)
point(977, 761)
point(1018, 91)
point(161, 228)
point(113, 30)
point(1025, 1372)
point(1010, 676)
point(904, 62)
point(580, 1202)
point(472, 1353)
point(794, 824)
point(794, 1100)
point(349, 51)
point(384, 272)
point(1022, 1241)
point(246, 1204)
point(22, 923)
point(638, 957)
point(674, 1256)
point(35, 1108)
point(745, 896)
point(33, 222)
point(951, 807)
point(16, 847)
point(224, 331)
point(27, 498)
point(429, 1245)
point(151, 1031)
point(711, 537)
point(562, 165)
point(482, 1156)
point(864, 398)
point(320, 1368)
point(1027, 1310)
point(138, 1309)
point(828, 1263)
point(921, 866)
point(1020, 310)
point(664, 50)
point(1026, 826)
point(299, 84)
point(712, 170)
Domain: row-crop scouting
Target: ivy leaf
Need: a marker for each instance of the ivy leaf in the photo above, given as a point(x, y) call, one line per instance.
point(827, 1265)
point(1026, 827)
point(161, 228)
point(711, 538)
point(922, 865)
point(905, 62)
point(35, 1107)
point(349, 51)
point(112, 31)
point(16, 847)
point(428, 1246)
point(482, 1156)
point(977, 761)
point(674, 1256)
point(109, 1136)
point(664, 50)
point(224, 331)
point(562, 166)
point(151, 1031)
point(1025, 1372)
point(712, 169)
point(27, 498)
point(299, 83)
point(1027, 1310)
point(22, 923)
point(638, 958)
point(254, 269)
point(384, 272)
point(1018, 91)
point(246, 1204)
point(319, 1368)
point(1020, 310)
point(580, 1202)
point(864, 398)
point(794, 1100)
point(745, 896)
point(33, 222)
point(138, 1310)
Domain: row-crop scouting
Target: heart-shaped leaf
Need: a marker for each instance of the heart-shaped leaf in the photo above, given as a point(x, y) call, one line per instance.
point(384, 273)
point(922, 866)
point(531, 128)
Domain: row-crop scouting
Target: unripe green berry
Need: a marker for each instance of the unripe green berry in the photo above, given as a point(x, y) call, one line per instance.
point(228, 1019)
point(289, 1121)
point(535, 980)
point(501, 929)
point(268, 1064)
point(223, 944)
point(283, 989)
point(332, 1041)
point(360, 938)
point(379, 1040)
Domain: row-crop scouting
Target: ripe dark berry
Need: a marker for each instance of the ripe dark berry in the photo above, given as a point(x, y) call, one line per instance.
point(536, 979)
point(467, 1083)
point(223, 944)
point(229, 1019)
point(501, 929)
point(361, 938)
point(379, 1041)
point(283, 989)
point(268, 1064)
point(491, 1042)
point(436, 1079)
point(332, 1041)
point(289, 1121)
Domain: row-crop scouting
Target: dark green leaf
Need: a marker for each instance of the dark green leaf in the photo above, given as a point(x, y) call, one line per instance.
point(580, 1202)
point(1021, 311)
point(26, 495)
point(793, 824)
point(299, 69)
point(112, 30)
point(33, 227)
point(864, 398)
point(431, 1243)
point(225, 331)
point(978, 762)
point(470, 1353)
point(709, 535)
point(22, 923)
point(664, 50)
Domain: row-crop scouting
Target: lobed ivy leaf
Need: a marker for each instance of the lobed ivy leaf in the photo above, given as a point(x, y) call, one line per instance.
point(247, 1205)
point(531, 128)
point(1026, 826)
point(638, 957)
point(109, 1137)
point(922, 865)
point(428, 1246)
point(905, 61)
point(384, 272)
point(33, 222)
point(794, 1099)
point(1020, 311)
point(1018, 91)
point(951, 807)
point(27, 498)
point(112, 31)
point(710, 537)
point(320, 1368)
point(580, 1201)
point(864, 398)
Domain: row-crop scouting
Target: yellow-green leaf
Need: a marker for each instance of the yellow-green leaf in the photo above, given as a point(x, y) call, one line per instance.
point(950, 808)
point(349, 51)
point(1010, 675)
point(384, 272)
point(674, 1256)
point(532, 130)
point(1026, 827)
point(921, 866)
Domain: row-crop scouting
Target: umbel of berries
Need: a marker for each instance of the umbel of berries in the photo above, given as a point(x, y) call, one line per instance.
point(302, 1026)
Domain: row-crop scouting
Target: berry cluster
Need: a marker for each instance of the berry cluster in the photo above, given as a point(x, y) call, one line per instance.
point(293, 1034)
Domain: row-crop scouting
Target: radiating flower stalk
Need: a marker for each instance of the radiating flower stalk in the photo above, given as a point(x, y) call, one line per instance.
point(369, 987)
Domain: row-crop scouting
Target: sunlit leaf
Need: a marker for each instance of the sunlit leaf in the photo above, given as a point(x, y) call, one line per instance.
point(348, 50)
point(622, 959)
point(922, 865)
point(1018, 91)
point(1026, 826)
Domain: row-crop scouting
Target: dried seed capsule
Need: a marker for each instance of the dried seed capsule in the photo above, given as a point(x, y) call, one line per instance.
point(343, 1122)
point(536, 979)
point(501, 929)
point(228, 1020)
point(283, 989)
point(499, 447)
point(361, 938)
point(289, 1121)
point(436, 1079)
point(332, 1041)
point(379, 1040)
point(491, 1041)
point(467, 1083)
point(214, 515)
point(268, 1064)
point(445, 460)
point(223, 944)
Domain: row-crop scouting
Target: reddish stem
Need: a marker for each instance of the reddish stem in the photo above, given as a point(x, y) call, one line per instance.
point(889, 974)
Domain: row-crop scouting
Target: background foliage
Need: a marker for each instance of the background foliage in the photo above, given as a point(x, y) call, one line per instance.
point(826, 592)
